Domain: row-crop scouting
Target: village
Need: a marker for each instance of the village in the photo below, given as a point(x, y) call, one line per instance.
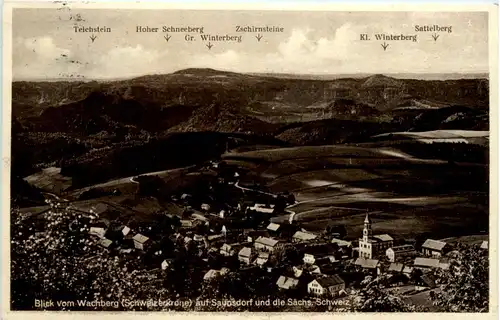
point(220, 240)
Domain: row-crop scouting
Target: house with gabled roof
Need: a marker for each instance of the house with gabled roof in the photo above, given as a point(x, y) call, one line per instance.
point(398, 252)
point(266, 244)
point(287, 283)
point(106, 243)
point(97, 231)
point(383, 237)
point(484, 245)
point(426, 281)
point(273, 227)
point(426, 263)
point(141, 241)
point(297, 271)
point(211, 274)
point(434, 248)
point(326, 286)
point(125, 230)
point(397, 279)
point(407, 270)
point(314, 252)
point(262, 259)
point(342, 243)
point(245, 255)
point(227, 250)
point(396, 267)
point(301, 236)
point(371, 265)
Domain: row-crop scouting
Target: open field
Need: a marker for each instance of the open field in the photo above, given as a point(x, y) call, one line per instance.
point(129, 185)
point(405, 195)
point(307, 152)
point(470, 239)
point(407, 223)
point(439, 134)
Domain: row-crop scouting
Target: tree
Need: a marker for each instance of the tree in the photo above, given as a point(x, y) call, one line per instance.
point(465, 282)
point(63, 262)
point(373, 298)
point(339, 231)
point(416, 275)
point(288, 255)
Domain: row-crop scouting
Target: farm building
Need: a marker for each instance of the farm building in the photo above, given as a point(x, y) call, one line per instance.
point(262, 259)
point(198, 238)
point(314, 253)
point(125, 230)
point(266, 244)
point(484, 245)
point(426, 281)
point(140, 241)
point(211, 274)
point(106, 243)
point(252, 235)
point(245, 255)
point(426, 263)
point(342, 243)
point(227, 250)
point(407, 270)
point(262, 208)
point(287, 283)
point(434, 248)
point(297, 271)
point(397, 279)
point(396, 267)
point(383, 238)
point(330, 286)
point(368, 264)
point(301, 236)
point(273, 228)
point(97, 231)
point(309, 258)
point(395, 253)
point(186, 223)
point(214, 237)
point(312, 269)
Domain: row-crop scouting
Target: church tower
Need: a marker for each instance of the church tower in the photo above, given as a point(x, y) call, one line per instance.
point(367, 230)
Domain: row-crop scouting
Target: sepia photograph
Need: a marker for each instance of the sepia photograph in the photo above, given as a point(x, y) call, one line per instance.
point(250, 160)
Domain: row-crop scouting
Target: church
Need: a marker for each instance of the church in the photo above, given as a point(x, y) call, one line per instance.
point(372, 246)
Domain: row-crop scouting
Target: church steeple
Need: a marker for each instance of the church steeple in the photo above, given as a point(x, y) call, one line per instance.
point(367, 219)
point(367, 230)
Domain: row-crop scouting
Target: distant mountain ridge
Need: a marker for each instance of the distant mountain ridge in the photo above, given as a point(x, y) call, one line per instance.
point(415, 76)
point(199, 99)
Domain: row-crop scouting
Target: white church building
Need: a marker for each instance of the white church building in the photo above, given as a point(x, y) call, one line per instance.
point(372, 246)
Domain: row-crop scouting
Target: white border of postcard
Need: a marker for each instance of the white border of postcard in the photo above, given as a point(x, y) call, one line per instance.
point(278, 5)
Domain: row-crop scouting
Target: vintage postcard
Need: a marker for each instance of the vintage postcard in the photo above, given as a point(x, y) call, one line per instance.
point(284, 158)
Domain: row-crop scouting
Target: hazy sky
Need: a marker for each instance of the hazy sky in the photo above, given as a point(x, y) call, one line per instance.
point(46, 46)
